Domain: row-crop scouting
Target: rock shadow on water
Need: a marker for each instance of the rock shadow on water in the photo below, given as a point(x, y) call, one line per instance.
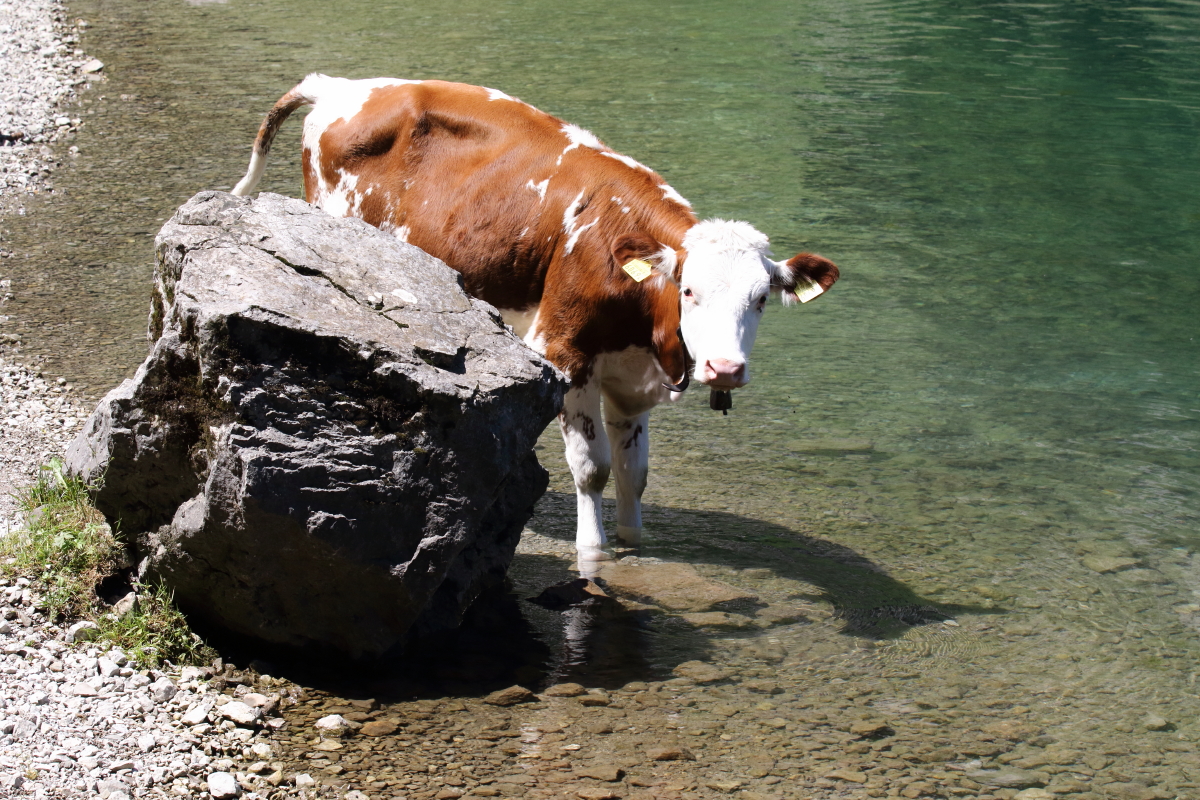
point(551, 626)
point(495, 647)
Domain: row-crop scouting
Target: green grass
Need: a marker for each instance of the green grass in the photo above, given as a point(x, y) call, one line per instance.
point(155, 631)
point(67, 548)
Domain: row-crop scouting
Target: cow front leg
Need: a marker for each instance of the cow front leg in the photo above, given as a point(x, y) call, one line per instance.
point(589, 459)
point(630, 438)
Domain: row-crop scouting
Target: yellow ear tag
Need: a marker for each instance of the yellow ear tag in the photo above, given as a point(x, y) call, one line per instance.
point(638, 270)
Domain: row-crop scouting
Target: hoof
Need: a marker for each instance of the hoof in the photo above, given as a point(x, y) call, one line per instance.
point(591, 555)
point(629, 536)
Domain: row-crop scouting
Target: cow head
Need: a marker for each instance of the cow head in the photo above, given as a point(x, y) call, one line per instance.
point(725, 279)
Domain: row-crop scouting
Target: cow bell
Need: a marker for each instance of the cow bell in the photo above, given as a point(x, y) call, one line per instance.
point(720, 401)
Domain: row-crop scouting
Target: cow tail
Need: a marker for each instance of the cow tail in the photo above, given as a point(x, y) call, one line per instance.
point(283, 108)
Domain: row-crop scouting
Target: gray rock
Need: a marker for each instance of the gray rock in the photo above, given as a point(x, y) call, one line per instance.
point(1007, 778)
point(82, 632)
point(1153, 722)
point(300, 466)
point(335, 725)
point(222, 785)
point(162, 690)
point(197, 713)
point(240, 713)
point(125, 605)
point(108, 789)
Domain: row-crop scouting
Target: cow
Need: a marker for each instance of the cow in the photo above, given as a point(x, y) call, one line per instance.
point(591, 258)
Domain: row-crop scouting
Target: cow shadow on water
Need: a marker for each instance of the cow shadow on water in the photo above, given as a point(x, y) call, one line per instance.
point(526, 635)
point(602, 645)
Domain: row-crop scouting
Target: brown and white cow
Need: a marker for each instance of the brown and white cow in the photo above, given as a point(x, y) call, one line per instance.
point(590, 256)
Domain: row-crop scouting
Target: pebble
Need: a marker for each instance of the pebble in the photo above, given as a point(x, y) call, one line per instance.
point(1007, 778)
point(222, 785)
point(670, 753)
point(241, 714)
point(78, 719)
point(1154, 722)
point(38, 73)
point(510, 696)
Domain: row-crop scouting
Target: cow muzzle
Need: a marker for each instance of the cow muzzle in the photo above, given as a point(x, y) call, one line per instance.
point(724, 374)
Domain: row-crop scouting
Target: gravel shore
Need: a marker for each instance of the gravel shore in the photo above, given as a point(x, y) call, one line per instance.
point(40, 67)
point(78, 719)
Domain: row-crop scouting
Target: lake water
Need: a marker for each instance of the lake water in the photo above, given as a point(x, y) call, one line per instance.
point(992, 419)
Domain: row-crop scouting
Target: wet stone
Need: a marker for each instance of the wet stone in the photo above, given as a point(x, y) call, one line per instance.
point(510, 696)
point(775, 614)
point(1154, 722)
point(1007, 778)
point(701, 672)
point(719, 619)
point(1106, 564)
point(380, 727)
point(762, 687)
point(670, 753)
point(870, 729)
point(724, 786)
point(602, 772)
point(1033, 794)
point(596, 793)
point(677, 587)
point(849, 775)
point(564, 690)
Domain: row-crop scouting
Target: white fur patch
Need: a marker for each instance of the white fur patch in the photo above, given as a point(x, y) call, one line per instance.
point(339, 98)
point(629, 162)
point(669, 193)
point(725, 235)
point(569, 215)
point(665, 261)
point(254, 174)
point(574, 237)
point(540, 188)
point(335, 99)
point(524, 323)
point(402, 233)
point(496, 94)
point(578, 137)
point(341, 200)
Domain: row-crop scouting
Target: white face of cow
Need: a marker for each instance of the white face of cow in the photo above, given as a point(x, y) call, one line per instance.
point(723, 289)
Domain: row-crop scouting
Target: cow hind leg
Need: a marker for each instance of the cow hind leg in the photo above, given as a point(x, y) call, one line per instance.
point(589, 458)
point(629, 437)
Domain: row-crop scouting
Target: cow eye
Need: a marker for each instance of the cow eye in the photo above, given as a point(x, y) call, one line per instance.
point(762, 302)
point(687, 292)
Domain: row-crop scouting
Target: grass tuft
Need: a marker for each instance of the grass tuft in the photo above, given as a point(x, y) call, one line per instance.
point(67, 548)
point(155, 631)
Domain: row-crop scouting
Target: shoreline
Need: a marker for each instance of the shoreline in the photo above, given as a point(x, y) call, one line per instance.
point(79, 718)
point(41, 67)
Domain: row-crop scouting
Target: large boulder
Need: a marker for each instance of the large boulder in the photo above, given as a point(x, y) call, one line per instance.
point(330, 444)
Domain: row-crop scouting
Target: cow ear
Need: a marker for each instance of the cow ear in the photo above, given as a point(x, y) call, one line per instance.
point(668, 340)
point(629, 246)
point(803, 277)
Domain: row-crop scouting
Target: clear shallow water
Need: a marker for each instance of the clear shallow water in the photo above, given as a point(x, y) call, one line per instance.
point(1003, 389)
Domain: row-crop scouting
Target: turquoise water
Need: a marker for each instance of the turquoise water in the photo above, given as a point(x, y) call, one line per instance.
point(1002, 391)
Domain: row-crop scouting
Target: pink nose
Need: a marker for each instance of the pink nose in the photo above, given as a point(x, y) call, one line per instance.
point(723, 373)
